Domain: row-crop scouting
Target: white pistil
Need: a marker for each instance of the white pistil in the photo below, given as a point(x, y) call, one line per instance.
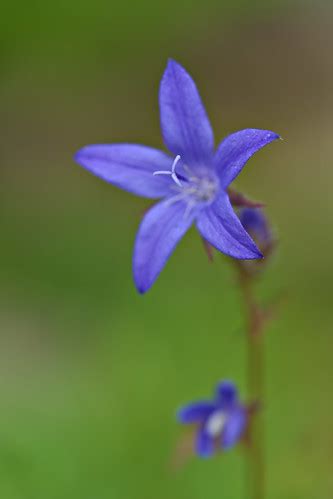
point(172, 173)
point(215, 423)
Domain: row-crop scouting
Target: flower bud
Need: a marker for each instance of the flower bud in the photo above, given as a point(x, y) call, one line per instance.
point(256, 224)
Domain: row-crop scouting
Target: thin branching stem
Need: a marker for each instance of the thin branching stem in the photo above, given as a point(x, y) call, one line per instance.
point(255, 321)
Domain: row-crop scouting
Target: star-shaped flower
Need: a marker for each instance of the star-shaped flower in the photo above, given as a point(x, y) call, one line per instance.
point(221, 422)
point(193, 181)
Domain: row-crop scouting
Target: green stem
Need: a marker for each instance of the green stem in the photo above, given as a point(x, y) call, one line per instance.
point(256, 384)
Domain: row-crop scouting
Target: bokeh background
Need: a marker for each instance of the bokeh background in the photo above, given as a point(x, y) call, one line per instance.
point(90, 372)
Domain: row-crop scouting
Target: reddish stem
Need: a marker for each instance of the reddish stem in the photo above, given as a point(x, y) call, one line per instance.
point(255, 321)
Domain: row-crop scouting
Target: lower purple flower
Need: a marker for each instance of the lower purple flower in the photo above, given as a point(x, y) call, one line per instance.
point(221, 422)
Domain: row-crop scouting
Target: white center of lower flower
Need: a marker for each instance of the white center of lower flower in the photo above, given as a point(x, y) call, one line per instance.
point(215, 423)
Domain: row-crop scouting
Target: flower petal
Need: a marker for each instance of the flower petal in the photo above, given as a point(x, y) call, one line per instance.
point(204, 443)
point(185, 126)
point(236, 149)
point(129, 166)
point(226, 394)
point(220, 226)
point(196, 412)
point(234, 428)
point(160, 231)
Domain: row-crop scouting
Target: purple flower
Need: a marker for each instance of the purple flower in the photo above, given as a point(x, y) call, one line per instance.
point(221, 422)
point(193, 181)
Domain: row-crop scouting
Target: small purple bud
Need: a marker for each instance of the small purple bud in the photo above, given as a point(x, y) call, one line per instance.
point(256, 224)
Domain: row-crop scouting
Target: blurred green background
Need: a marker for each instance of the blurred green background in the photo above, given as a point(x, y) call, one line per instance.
point(90, 372)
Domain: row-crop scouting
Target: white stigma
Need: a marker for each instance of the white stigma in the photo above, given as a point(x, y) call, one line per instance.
point(172, 173)
point(215, 423)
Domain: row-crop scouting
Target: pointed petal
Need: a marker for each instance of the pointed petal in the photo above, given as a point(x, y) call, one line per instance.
point(185, 126)
point(234, 428)
point(129, 166)
point(220, 226)
point(226, 394)
point(160, 231)
point(204, 444)
point(236, 149)
point(196, 412)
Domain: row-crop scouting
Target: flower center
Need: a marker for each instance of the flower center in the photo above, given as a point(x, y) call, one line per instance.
point(215, 423)
point(195, 188)
point(201, 189)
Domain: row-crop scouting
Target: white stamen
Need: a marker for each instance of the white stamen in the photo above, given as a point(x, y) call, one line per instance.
point(172, 173)
point(190, 205)
point(174, 199)
point(215, 423)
